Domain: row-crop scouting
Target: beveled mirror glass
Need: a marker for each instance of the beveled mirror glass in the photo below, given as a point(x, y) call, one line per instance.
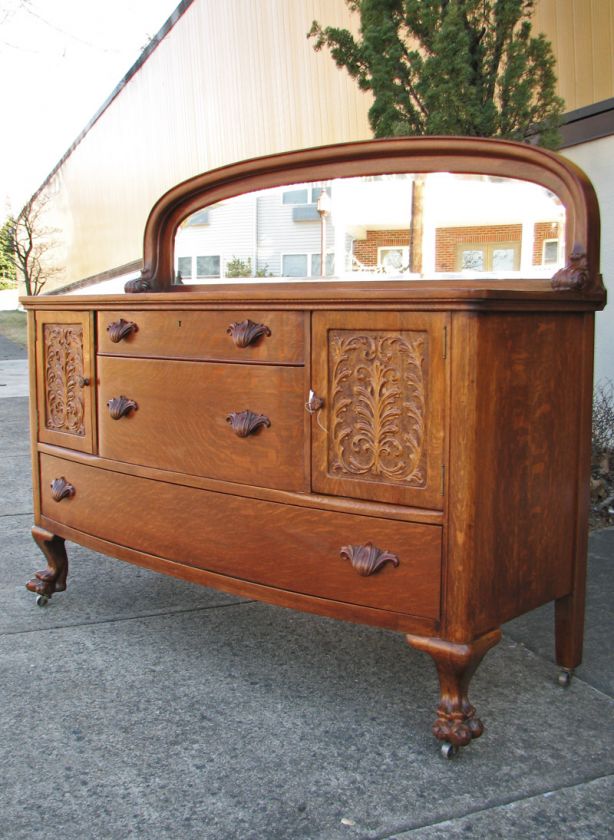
point(437, 225)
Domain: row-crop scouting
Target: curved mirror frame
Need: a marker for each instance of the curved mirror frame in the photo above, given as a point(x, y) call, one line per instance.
point(415, 155)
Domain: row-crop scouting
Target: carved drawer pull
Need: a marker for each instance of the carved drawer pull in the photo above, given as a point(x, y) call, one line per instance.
point(83, 381)
point(61, 489)
point(368, 558)
point(247, 332)
point(244, 423)
point(120, 407)
point(121, 329)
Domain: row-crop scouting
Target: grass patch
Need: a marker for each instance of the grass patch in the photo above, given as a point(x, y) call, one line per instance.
point(13, 327)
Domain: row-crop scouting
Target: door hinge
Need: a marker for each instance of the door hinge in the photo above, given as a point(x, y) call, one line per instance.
point(443, 479)
point(445, 342)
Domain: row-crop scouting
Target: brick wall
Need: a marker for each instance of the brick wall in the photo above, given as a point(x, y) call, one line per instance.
point(447, 239)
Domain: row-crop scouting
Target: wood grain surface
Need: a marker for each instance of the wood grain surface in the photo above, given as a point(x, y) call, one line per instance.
point(188, 334)
point(285, 546)
point(181, 424)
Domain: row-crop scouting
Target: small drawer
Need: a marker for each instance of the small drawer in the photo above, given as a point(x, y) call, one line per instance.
point(191, 417)
point(289, 547)
point(234, 336)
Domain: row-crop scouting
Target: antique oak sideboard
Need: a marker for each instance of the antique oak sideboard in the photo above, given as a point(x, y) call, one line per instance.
point(406, 446)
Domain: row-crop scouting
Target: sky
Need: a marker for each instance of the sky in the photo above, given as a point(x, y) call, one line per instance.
point(59, 61)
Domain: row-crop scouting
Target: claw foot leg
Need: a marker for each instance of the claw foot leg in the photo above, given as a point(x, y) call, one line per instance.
point(53, 578)
point(457, 723)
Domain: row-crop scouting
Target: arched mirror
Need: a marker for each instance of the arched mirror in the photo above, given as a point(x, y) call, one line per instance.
point(434, 225)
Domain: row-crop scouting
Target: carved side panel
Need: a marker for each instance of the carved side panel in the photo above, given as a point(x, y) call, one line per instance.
point(378, 406)
point(63, 378)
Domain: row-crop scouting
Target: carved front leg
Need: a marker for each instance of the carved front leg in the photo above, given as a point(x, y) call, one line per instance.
point(456, 722)
point(53, 578)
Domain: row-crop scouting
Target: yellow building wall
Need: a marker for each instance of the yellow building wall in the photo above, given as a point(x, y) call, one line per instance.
point(238, 79)
point(582, 36)
point(231, 80)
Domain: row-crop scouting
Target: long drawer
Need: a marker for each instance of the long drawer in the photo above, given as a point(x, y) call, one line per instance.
point(182, 421)
point(271, 337)
point(285, 546)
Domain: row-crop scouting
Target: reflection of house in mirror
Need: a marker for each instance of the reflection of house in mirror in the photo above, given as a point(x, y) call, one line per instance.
point(469, 224)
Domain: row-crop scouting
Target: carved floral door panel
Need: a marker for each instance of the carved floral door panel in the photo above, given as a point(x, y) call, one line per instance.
point(380, 432)
point(66, 384)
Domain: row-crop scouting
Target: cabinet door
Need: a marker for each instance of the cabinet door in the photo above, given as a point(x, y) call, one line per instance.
point(65, 379)
point(380, 433)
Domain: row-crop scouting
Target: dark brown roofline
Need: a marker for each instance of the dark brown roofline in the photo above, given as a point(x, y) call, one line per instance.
point(588, 123)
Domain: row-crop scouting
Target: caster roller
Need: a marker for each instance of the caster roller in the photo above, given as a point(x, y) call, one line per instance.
point(448, 750)
point(42, 600)
point(564, 678)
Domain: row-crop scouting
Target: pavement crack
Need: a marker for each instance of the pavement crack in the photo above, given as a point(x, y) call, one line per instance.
point(119, 619)
point(405, 831)
point(5, 515)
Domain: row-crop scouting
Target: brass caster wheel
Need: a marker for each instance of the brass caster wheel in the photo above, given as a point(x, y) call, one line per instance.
point(448, 750)
point(42, 600)
point(564, 678)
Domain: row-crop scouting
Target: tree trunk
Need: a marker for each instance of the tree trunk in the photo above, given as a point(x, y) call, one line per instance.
point(417, 220)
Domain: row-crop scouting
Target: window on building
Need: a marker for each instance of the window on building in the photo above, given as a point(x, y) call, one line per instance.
point(295, 196)
point(201, 217)
point(488, 256)
point(393, 259)
point(294, 265)
point(315, 265)
point(208, 266)
point(184, 267)
point(550, 251)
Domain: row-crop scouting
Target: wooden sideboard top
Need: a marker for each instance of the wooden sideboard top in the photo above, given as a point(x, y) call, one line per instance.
point(434, 294)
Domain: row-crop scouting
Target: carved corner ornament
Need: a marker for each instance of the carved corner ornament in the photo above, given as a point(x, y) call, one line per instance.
point(244, 423)
point(120, 407)
point(139, 284)
point(368, 559)
point(575, 275)
point(121, 329)
point(61, 489)
point(247, 332)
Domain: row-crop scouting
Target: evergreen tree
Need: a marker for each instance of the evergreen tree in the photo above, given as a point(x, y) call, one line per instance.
point(469, 67)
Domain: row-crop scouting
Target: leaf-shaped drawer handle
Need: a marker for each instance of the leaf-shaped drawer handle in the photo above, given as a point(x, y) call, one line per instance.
point(244, 423)
point(121, 329)
point(368, 559)
point(61, 489)
point(247, 332)
point(121, 407)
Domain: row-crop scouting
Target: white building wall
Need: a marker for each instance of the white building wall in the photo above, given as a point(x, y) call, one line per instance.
point(597, 160)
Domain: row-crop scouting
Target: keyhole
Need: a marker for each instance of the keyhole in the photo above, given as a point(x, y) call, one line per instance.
point(178, 323)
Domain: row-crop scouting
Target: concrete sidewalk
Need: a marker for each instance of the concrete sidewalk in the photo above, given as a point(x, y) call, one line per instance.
point(138, 706)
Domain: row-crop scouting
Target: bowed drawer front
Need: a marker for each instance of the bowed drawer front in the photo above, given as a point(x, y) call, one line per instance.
point(242, 423)
point(289, 547)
